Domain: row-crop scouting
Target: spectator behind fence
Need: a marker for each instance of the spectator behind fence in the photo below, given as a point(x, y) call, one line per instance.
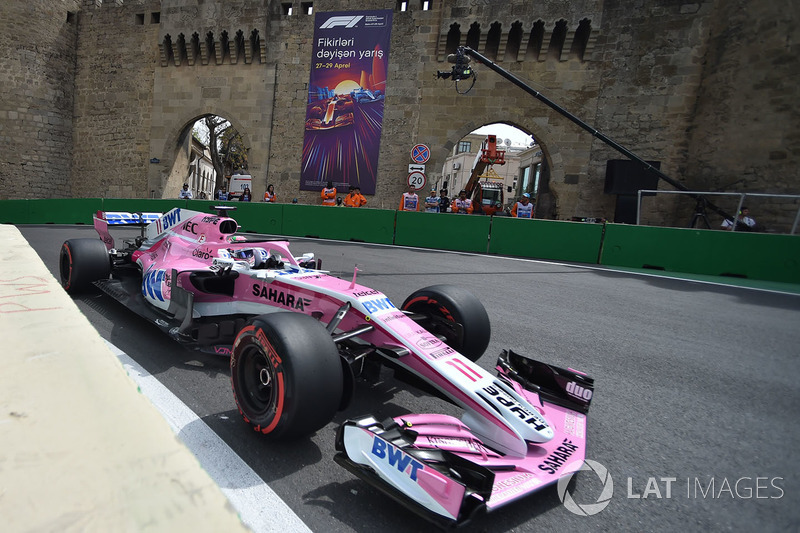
point(354, 198)
point(328, 194)
point(744, 222)
point(462, 204)
point(523, 208)
point(269, 194)
point(432, 202)
point(410, 200)
point(444, 201)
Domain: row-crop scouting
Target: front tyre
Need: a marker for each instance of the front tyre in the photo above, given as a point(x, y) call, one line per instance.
point(286, 376)
point(82, 262)
point(454, 313)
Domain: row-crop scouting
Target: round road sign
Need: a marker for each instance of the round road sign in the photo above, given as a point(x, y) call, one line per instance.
point(420, 153)
point(417, 180)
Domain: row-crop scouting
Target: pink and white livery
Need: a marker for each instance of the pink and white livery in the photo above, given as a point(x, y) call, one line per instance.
point(299, 338)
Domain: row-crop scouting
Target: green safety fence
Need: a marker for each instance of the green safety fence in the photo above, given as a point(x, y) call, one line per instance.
point(142, 205)
point(442, 231)
point(754, 256)
point(49, 211)
point(341, 223)
point(718, 253)
point(14, 212)
point(546, 239)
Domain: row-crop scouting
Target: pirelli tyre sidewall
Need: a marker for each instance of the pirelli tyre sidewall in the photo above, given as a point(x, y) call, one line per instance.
point(286, 376)
point(455, 304)
point(82, 262)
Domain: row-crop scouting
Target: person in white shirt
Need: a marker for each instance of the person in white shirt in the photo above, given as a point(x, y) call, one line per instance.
point(185, 193)
point(744, 222)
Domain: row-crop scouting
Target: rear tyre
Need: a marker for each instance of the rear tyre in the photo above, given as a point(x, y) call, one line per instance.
point(286, 376)
point(454, 313)
point(82, 262)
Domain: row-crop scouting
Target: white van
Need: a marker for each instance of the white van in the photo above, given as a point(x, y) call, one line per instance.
point(238, 184)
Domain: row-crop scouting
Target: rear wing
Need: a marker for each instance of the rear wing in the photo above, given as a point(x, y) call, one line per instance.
point(123, 218)
point(104, 219)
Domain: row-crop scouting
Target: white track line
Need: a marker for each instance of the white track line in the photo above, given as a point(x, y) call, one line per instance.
point(257, 505)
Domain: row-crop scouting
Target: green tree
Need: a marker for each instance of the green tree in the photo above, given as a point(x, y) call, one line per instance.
point(228, 152)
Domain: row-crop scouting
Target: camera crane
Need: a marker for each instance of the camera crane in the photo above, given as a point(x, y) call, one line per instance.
point(462, 71)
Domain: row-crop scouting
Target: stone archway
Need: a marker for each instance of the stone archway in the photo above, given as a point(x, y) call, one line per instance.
point(553, 172)
point(241, 93)
point(168, 177)
point(175, 150)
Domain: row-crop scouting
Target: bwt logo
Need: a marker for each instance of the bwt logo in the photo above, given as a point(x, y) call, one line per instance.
point(347, 22)
point(396, 457)
point(379, 304)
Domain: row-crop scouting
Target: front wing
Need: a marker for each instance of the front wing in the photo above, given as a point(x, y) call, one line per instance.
point(435, 465)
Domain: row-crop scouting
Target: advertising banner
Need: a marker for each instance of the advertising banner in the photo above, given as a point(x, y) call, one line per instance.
point(346, 92)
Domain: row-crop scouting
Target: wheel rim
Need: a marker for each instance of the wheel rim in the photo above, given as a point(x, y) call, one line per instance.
point(257, 379)
point(433, 325)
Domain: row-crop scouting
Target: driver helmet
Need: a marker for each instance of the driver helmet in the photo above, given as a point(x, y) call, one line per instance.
point(245, 255)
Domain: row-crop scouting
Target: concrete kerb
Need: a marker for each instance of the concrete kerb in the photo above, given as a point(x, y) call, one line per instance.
point(81, 447)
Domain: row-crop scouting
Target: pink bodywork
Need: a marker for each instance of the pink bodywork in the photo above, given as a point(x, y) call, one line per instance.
point(191, 242)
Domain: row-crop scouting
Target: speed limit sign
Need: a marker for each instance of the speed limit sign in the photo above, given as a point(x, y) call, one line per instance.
point(417, 180)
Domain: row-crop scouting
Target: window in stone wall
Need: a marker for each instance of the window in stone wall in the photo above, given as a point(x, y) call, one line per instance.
point(535, 41)
point(453, 39)
point(286, 9)
point(307, 7)
point(168, 49)
point(140, 19)
point(425, 5)
point(155, 18)
point(581, 40)
point(70, 17)
point(557, 40)
point(255, 45)
point(474, 36)
point(211, 46)
point(402, 5)
point(195, 47)
point(182, 55)
point(225, 46)
point(239, 47)
point(514, 40)
point(493, 40)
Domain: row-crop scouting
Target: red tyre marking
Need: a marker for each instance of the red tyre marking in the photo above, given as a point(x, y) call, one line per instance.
point(69, 275)
point(241, 334)
point(424, 299)
point(278, 408)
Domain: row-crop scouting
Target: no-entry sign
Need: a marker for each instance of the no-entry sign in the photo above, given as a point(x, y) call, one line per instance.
point(420, 153)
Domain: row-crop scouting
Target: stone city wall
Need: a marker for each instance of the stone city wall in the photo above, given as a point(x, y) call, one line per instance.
point(707, 88)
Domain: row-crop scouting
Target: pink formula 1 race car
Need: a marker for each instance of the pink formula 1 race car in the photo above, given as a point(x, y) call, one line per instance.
point(298, 340)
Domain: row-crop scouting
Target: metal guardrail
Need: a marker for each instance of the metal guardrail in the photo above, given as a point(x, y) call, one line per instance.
point(741, 196)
